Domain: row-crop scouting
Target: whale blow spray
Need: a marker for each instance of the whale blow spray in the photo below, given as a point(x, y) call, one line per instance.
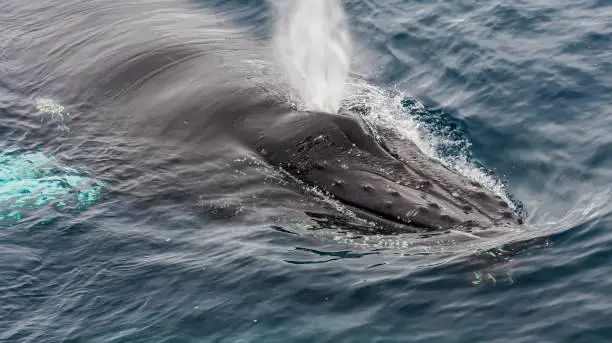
point(313, 46)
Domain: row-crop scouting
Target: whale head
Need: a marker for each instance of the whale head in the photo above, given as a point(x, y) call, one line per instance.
point(401, 192)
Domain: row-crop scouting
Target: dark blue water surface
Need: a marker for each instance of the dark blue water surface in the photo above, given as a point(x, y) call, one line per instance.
point(524, 88)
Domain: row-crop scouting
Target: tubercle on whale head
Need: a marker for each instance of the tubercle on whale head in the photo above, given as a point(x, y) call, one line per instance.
point(338, 154)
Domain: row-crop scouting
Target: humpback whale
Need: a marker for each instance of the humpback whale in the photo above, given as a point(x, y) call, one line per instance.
point(400, 189)
point(174, 83)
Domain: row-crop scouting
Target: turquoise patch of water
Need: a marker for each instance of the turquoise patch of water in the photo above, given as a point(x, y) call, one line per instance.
point(33, 180)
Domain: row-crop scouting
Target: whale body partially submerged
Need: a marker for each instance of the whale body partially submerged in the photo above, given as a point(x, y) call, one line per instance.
point(170, 81)
point(402, 191)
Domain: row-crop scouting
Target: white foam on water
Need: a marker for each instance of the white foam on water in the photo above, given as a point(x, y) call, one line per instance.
point(385, 109)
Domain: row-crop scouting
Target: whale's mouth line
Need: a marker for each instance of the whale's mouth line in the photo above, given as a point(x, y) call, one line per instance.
point(387, 220)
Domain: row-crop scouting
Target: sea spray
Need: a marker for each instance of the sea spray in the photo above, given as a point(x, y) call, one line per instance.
point(313, 47)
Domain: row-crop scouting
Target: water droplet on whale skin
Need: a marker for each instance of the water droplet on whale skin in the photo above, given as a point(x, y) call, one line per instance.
point(366, 187)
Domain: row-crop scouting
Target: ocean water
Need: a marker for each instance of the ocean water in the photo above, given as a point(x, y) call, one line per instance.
point(102, 240)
